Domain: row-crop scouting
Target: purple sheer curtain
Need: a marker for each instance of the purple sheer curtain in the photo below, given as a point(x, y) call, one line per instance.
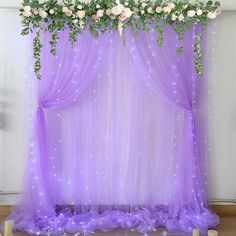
point(116, 138)
point(174, 79)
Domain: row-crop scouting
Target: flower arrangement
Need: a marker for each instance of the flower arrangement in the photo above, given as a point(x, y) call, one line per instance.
point(101, 15)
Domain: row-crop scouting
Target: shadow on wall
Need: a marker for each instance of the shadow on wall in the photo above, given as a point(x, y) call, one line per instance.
point(4, 116)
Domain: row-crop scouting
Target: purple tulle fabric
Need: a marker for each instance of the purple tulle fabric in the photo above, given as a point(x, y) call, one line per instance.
point(88, 219)
point(117, 137)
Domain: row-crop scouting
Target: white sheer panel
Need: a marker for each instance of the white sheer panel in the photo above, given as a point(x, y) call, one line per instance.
point(117, 107)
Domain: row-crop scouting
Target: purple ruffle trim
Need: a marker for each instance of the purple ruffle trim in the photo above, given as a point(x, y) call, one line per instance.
point(142, 219)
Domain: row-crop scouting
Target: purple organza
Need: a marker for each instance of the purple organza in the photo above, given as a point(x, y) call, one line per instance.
point(116, 138)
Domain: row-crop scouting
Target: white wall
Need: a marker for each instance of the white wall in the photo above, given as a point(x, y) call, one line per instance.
point(223, 122)
point(12, 71)
point(13, 59)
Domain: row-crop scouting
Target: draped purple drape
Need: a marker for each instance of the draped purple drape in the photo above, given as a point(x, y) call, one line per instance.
point(116, 138)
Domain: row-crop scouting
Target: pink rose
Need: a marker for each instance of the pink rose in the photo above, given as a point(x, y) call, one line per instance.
point(158, 9)
point(122, 17)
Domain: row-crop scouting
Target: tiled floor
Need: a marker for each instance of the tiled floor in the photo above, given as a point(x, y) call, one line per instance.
point(227, 227)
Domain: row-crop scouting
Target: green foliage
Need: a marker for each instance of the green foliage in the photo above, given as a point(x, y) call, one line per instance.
point(52, 16)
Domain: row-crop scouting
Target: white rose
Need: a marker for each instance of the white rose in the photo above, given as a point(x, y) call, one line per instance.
point(80, 14)
point(191, 13)
point(27, 13)
point(158, 10)
point(181, 17)
point(199, 12)
point(128, 13)
point(116, 10)
point(27, 8)
point(51, 11)
point(171, 5)
point(211, 15)
point(98, 6)
point(173, 17)
point(167, 9)
point(43, 13)
point(108, 12)
point(150, 10)
point(100, 13)
point(80, 7)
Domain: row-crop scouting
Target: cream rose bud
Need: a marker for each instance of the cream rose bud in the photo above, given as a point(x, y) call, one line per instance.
point(173, 17)
point(112, 17)
point(75, 21)
point(27, 8)
point(27, 13)
point(36, 12)
point(80, 7)
point(158, 9)
point(95, 17)
point(80, 14)
point(126, 3)
point(181, 17)
point(128, 13)
point(144, 5)
point(167, 9)
point(81, 24)
point(98, 6)
point(65, 9)
point(150, 10)
point(211, 15)
point(191, 13)
point(116, 10)
point(185, 6)
point(100, 13)
point(199, 12)
point(43, 14)
point(108, 12)
point(142, 12)
point(171, 5)
point(51, 11)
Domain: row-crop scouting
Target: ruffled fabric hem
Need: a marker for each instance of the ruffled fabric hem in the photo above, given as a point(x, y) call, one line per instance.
point(141, 218)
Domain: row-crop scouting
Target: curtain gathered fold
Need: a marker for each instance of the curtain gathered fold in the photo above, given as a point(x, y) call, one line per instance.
point(174, 79)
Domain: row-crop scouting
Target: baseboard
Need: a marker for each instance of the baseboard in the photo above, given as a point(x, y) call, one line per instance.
point(221, 210)
point(224, 210)
point(4, 212)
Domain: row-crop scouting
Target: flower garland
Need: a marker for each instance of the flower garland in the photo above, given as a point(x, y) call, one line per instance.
point(101, 15)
